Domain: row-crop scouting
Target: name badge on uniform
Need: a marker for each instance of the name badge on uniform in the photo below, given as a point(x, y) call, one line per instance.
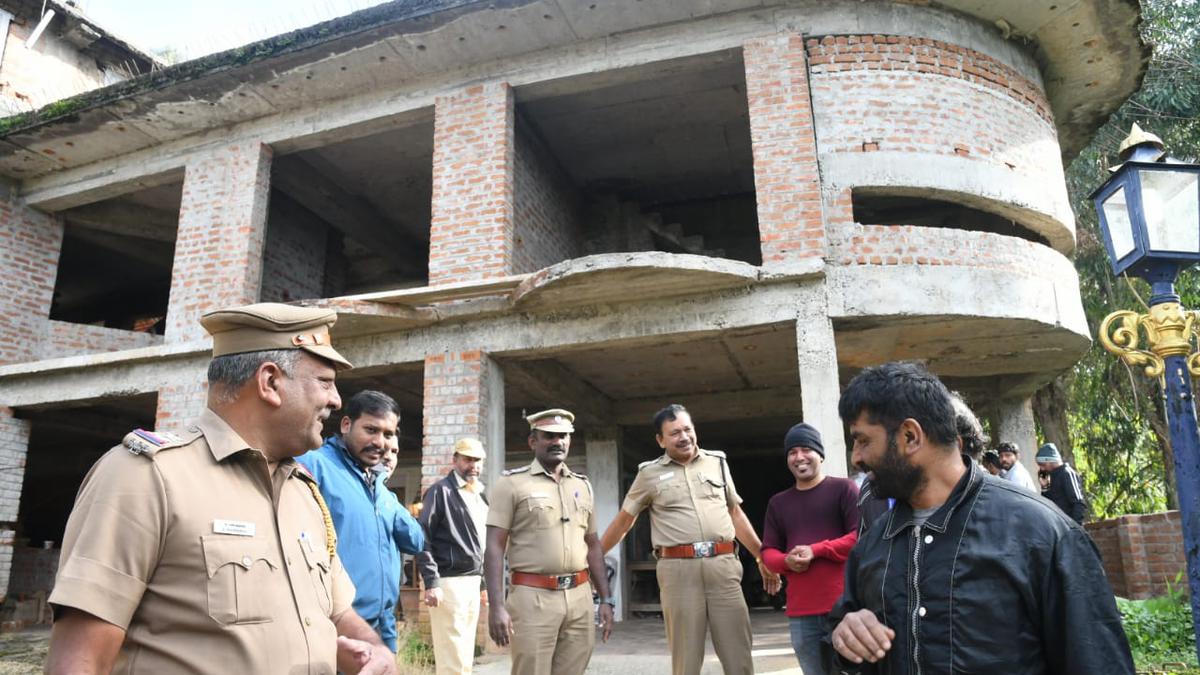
point(667, 476)
point(238, 527)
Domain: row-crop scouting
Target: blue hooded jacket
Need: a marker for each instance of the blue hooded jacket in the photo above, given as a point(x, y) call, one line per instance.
point(372, 531)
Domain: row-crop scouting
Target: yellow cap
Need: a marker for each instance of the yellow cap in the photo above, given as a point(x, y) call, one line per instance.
point(554, 420)
point(269, 325)
point(469, 447)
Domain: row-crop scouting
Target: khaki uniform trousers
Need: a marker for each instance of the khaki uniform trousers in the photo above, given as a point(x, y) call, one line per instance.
point(700, 595)
point(453, 624)
point(554, 632)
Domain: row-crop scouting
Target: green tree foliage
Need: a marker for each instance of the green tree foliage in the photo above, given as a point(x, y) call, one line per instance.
point(1115, 417)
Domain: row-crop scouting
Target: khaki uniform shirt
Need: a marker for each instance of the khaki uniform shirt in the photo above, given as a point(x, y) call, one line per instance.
point(546, 520)
point(209, 563)
point(688, 503)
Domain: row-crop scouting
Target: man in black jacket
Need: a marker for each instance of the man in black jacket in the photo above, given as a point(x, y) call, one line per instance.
point(932, 588)
point(454, 515)
point(1066, 489)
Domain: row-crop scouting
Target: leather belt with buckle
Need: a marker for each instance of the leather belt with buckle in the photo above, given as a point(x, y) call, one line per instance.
point(701, 549)
point(551, 582)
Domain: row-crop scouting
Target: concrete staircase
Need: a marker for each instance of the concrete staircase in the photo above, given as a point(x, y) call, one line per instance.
point(617, 226)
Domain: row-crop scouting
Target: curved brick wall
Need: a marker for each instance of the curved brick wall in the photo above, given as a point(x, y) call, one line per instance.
point(856, 244)
point(915, 112)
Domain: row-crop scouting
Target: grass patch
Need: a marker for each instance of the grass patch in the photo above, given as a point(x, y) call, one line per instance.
point(414, 656)
point(1160, 632)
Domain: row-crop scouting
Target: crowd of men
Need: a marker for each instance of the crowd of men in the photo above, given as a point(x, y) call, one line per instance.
point(251, 544)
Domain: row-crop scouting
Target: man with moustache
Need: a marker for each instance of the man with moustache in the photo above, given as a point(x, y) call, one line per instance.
point(372, 526)
point(209, 552)
point(695, 515)
point(1014, 471)
point(454, 515)
point(930, 588)
point(542, 519)
point(807, 535)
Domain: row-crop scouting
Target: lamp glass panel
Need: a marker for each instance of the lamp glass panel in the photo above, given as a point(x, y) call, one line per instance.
point(1171, 204)
point(1120, 230)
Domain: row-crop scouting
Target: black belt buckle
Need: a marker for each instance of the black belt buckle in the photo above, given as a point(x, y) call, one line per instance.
point(702, 549)
point(565, 581)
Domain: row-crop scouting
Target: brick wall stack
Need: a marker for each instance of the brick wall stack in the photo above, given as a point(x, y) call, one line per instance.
point(33, 570)
point(471, 229)
point(30, 242)
point(68, 339)
point(181, 402)
point(222, 228)
point(1142, 553)
point(293, 265)
point(886, 93)
point(456, 404)
point(547, 227)
point(786, 177)
point(856, 244)
point(14, 443)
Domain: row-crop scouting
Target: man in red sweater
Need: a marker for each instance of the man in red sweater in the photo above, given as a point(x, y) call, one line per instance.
point(807, 536)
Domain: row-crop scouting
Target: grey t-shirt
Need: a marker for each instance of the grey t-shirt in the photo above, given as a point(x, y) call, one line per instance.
point(922, 515)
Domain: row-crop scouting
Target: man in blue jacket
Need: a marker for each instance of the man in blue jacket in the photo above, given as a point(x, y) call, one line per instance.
point(373, 528)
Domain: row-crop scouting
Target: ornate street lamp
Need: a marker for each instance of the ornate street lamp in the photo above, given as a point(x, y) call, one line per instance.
point(1150, 218)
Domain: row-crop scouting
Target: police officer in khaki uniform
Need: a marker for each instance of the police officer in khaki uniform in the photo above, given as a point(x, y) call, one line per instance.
point(542, 515)
point(212, 552)
point(694, 518)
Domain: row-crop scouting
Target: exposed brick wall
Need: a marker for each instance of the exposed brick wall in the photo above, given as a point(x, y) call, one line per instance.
point(294, 255)
point(455, 405)
point(30, 242)
point(182, 402)
point(33, 570)
point(856, 244)
point(876, 93)
point(68, 339)
point(786, 178)
point(547, 227)
point(14, 444)
point(1141, 553)
point(471, 233)
point(219, 245)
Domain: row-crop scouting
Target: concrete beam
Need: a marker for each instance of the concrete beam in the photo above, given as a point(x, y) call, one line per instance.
point(556, 385)
point(714, 407)
point(349, 213)
point(126, 219)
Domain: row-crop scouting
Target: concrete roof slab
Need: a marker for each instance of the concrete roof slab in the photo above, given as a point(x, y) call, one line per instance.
point(613, 277)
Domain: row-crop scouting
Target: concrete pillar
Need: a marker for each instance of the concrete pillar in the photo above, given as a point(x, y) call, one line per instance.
point(1012, 422)
point(14, 445)
point(471, 230)
point(820, 388)
point(787, 180)
point(604, 472)
point(463, 392)
point(222, 228)
point(30, 242)
point(181, 402)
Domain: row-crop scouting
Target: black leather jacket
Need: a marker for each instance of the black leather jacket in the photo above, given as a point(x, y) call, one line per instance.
point(997, 581)
point(452, 546)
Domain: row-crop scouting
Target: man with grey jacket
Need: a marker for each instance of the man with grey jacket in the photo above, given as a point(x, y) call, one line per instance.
point(454, 515)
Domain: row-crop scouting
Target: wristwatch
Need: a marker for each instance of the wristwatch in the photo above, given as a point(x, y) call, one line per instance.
point(610, 601)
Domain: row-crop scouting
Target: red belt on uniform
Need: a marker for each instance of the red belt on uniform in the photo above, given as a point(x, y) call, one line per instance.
point(701, 549)
point(552, 582)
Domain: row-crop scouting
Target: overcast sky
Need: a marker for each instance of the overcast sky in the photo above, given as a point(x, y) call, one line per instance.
point(198, 27)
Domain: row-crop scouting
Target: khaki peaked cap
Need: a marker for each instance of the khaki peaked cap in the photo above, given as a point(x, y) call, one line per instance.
point(554, 420)
point(269, 325)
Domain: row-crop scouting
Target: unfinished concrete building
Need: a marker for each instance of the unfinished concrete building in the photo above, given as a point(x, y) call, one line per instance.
point(604, 206)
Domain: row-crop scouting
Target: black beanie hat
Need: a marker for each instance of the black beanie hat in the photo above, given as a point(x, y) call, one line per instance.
point(804, 435)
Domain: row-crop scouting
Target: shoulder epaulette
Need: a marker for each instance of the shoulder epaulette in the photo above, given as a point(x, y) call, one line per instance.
point(509, 472)
point(646, 463)
point(717, 453)
point(579, 475)
point(148, 443)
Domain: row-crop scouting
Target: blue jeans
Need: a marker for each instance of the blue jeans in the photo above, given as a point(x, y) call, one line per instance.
point(807, 633)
